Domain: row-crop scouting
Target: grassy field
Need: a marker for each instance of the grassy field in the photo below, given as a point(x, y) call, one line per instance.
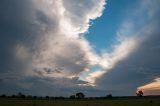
point(102, 102)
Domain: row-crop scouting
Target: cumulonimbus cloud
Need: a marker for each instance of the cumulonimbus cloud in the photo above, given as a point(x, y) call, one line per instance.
point(52, 42)
point(46, 38)
point(46, 43)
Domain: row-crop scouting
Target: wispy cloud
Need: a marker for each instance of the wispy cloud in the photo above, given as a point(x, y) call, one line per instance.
point(107, 61)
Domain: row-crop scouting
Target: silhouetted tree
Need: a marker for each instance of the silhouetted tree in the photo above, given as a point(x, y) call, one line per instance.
point(3, 95)
point(35, 97)
point(20, 95)
point(23, 96)
point(80, 95)
point(13, 96)
point(139, 93)
point(72, 97)
point(47, 97)
point(109, 96)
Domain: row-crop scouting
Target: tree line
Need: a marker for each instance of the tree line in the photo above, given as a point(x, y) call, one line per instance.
point(78, 95)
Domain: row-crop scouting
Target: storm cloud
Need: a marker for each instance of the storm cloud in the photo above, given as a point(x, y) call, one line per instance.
point(44, 50)
point(40, 43)
point(142, 65)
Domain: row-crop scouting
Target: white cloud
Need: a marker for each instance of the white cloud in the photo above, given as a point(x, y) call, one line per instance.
point(61, 47)
point(91, 78)
point(79, 13)
point(108, 60)
point(121, 51)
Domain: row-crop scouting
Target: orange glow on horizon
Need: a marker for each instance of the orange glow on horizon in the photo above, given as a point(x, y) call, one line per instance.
point(152, 88)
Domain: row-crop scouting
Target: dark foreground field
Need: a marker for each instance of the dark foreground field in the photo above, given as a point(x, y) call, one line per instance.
point(149, 101)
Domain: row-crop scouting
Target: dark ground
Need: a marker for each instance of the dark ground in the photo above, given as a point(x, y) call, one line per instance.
point(120, 101)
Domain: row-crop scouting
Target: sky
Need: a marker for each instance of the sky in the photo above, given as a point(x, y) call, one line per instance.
point(98, 47)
